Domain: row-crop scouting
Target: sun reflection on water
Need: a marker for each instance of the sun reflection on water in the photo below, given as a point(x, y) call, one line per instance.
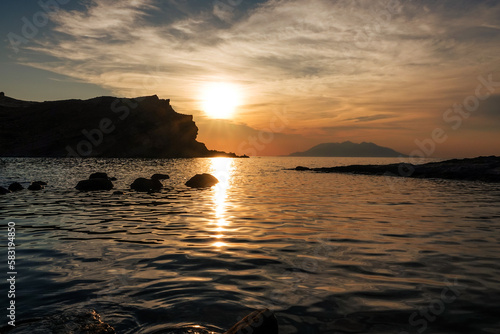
point(222, 169)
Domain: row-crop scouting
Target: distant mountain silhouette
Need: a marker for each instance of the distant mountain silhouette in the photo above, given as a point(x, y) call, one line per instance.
point(145, 127)
point(348, 149)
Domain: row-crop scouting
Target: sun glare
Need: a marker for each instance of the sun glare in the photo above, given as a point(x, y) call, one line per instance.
point(220, 100)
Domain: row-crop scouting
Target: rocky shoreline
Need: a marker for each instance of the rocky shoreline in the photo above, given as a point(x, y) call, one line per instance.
point(486, 169)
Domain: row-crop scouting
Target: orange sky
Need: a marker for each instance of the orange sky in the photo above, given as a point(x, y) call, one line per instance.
point(307, 71)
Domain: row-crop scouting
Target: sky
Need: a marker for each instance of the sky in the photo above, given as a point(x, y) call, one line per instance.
point(419, 76)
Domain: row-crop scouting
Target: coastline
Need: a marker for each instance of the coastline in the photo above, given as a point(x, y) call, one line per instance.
point(485, 169)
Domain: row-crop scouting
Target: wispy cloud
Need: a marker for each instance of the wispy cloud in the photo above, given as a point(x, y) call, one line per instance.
point(370, 118)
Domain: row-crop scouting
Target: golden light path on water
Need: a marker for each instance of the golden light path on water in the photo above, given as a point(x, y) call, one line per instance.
point(222, 169)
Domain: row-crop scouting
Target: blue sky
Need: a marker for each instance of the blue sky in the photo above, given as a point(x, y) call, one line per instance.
point(383, 71)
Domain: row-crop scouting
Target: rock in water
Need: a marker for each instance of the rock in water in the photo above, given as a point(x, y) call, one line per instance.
point(4, 191)
point(94, 184)
point(257, 322)
point(37, 185)
point(160, 177)
point(16, 187)
point(301, 168)
point(145, 185)
point(98, 175)
point(202, 181)
point(74, 321)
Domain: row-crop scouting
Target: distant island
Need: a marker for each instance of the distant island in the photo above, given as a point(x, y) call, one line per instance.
point(143, 127)
point(348, 149)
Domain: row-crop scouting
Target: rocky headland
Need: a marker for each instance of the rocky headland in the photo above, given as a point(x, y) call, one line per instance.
point(144, 127)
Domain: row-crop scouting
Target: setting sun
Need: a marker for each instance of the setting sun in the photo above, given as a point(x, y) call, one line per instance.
point(220, 100)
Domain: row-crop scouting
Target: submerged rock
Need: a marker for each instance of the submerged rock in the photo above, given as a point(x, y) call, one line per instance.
point(94, 184)
point(302, 168)
point(160, 177)
point(202, 181)
point(257, 322)
point(74, 322)
point(16, 186)
point(4, 191)
point(146, 185)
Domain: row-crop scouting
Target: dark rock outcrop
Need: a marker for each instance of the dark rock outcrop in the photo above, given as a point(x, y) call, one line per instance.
point(202, 181)
point(94, 185)
point(98, 175)
point(74, 321)
point(302, 168)
point(485, 169)
point(146, 185)
point(37, 185)
point(16, 186)
point(348, 149)
point(144, 127)
point(257, 322)
point(4, 191)
point(160, 177)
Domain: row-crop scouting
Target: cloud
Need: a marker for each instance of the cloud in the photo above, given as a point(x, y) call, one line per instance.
point(487, 118)
point(370, 118)
point(332, 63)
point(490, 108)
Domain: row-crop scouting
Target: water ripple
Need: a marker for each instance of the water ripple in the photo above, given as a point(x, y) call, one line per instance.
point(329, 253)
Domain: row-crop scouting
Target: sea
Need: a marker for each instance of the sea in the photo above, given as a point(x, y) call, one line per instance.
point(327, 253)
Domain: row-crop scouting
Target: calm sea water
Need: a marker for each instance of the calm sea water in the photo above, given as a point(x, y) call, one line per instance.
point(329, 253)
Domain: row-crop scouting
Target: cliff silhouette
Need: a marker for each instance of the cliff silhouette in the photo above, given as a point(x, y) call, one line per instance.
point(143, 127)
